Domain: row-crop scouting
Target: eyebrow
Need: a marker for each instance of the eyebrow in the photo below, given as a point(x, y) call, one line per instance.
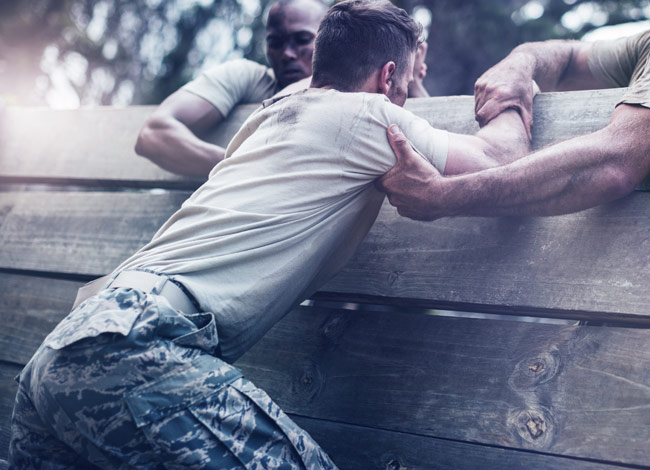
point(302, 31)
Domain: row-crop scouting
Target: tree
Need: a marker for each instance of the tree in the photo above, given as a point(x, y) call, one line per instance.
point(118, 51)
point(139, 51)
point(465, 38)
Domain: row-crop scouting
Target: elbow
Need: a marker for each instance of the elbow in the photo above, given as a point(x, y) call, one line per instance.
point(147, 144)
point(617, 182)
point(143, 142)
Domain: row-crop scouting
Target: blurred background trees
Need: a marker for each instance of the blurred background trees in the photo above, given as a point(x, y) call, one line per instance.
point(66, 53)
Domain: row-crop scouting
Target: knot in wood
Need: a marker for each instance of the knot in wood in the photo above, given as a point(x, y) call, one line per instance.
point(395, 465)
point(536, 370)
point(536, 426)
point(308, 384)
point(533, 425)
point(393, 277)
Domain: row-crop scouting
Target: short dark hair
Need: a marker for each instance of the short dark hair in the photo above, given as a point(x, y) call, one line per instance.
point(358, 36)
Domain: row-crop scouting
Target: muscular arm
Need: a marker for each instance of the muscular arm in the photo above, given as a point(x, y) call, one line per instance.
point(502, 141)
point(566, 177)
point(554, 65)
point(169, 137)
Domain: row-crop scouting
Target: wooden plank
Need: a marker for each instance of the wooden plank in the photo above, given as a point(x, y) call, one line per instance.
point(94, 143)
point(417, 376)
point(557, 116)
point(66, 138)
point(356, 447)
point(8, 389)
point(90, 145)
point(594, 264)
point(30, 307)
point(579, 392)
point(590, 265)
point(79, 233)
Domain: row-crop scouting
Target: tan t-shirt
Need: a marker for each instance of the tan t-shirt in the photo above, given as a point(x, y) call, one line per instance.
point(624, 62)
point(286, 208)
point(231, 83)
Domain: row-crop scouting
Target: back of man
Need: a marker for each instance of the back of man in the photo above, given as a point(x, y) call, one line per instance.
point(277, 217)
point(135, 377)
point(286, 208)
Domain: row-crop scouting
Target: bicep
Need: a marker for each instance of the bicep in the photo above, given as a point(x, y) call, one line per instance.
point(578, 74)
point(466, 154)
point(196, 113)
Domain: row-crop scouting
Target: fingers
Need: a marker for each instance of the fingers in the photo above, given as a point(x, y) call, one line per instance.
point(401, 146)
point(420, 67)
point(491, 109)
point(527, 119)
point(398, 141)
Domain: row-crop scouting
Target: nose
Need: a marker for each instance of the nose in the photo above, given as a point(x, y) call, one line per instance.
point(289, 51)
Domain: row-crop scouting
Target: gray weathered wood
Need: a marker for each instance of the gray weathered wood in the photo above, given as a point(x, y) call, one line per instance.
point(563, 390)
point(87, 144)
point(81, 233)
point(557, 116)
point(577, 265)
point(8, 389)
point(67, 139)
point(357, 447)
point(469, 380)
point(30, 307)
point(380, 389)
point(593, 264)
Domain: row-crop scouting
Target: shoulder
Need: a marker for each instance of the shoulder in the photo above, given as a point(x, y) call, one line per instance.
point(241, 68)
point(234, 82)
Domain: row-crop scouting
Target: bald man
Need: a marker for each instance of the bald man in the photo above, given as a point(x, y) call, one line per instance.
point(169, 137)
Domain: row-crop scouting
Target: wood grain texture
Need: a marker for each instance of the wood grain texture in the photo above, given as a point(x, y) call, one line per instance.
point(8, 387)
point(415, 379)
point(594, 264)
point(563, 390)
point(97, 144)
point(30, 307)
point(357, 447)
point(557, 116)
point(79, 233)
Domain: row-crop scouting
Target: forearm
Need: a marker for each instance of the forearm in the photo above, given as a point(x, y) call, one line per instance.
point(505, 139)
point(555, 65)
point(566, 177)
point(172, 146)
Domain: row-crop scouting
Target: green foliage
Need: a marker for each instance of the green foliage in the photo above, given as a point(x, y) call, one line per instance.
point(139, 51)
point(467, 37)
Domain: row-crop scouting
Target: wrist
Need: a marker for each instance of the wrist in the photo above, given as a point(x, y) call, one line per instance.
point(525, 62)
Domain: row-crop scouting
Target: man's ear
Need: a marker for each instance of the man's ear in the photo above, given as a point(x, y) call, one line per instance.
point(386, 77)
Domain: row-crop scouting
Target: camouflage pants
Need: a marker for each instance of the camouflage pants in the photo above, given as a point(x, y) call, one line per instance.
point(127, 382)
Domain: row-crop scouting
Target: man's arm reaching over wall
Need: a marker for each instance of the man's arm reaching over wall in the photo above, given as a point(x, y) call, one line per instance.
point(566, 177)
point(170, 139)
point(553, 65)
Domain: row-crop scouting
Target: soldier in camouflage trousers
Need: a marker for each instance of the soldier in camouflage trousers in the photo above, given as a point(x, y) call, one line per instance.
point(150, 394)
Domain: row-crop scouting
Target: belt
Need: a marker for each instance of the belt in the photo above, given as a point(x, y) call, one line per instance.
point(142, 281)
